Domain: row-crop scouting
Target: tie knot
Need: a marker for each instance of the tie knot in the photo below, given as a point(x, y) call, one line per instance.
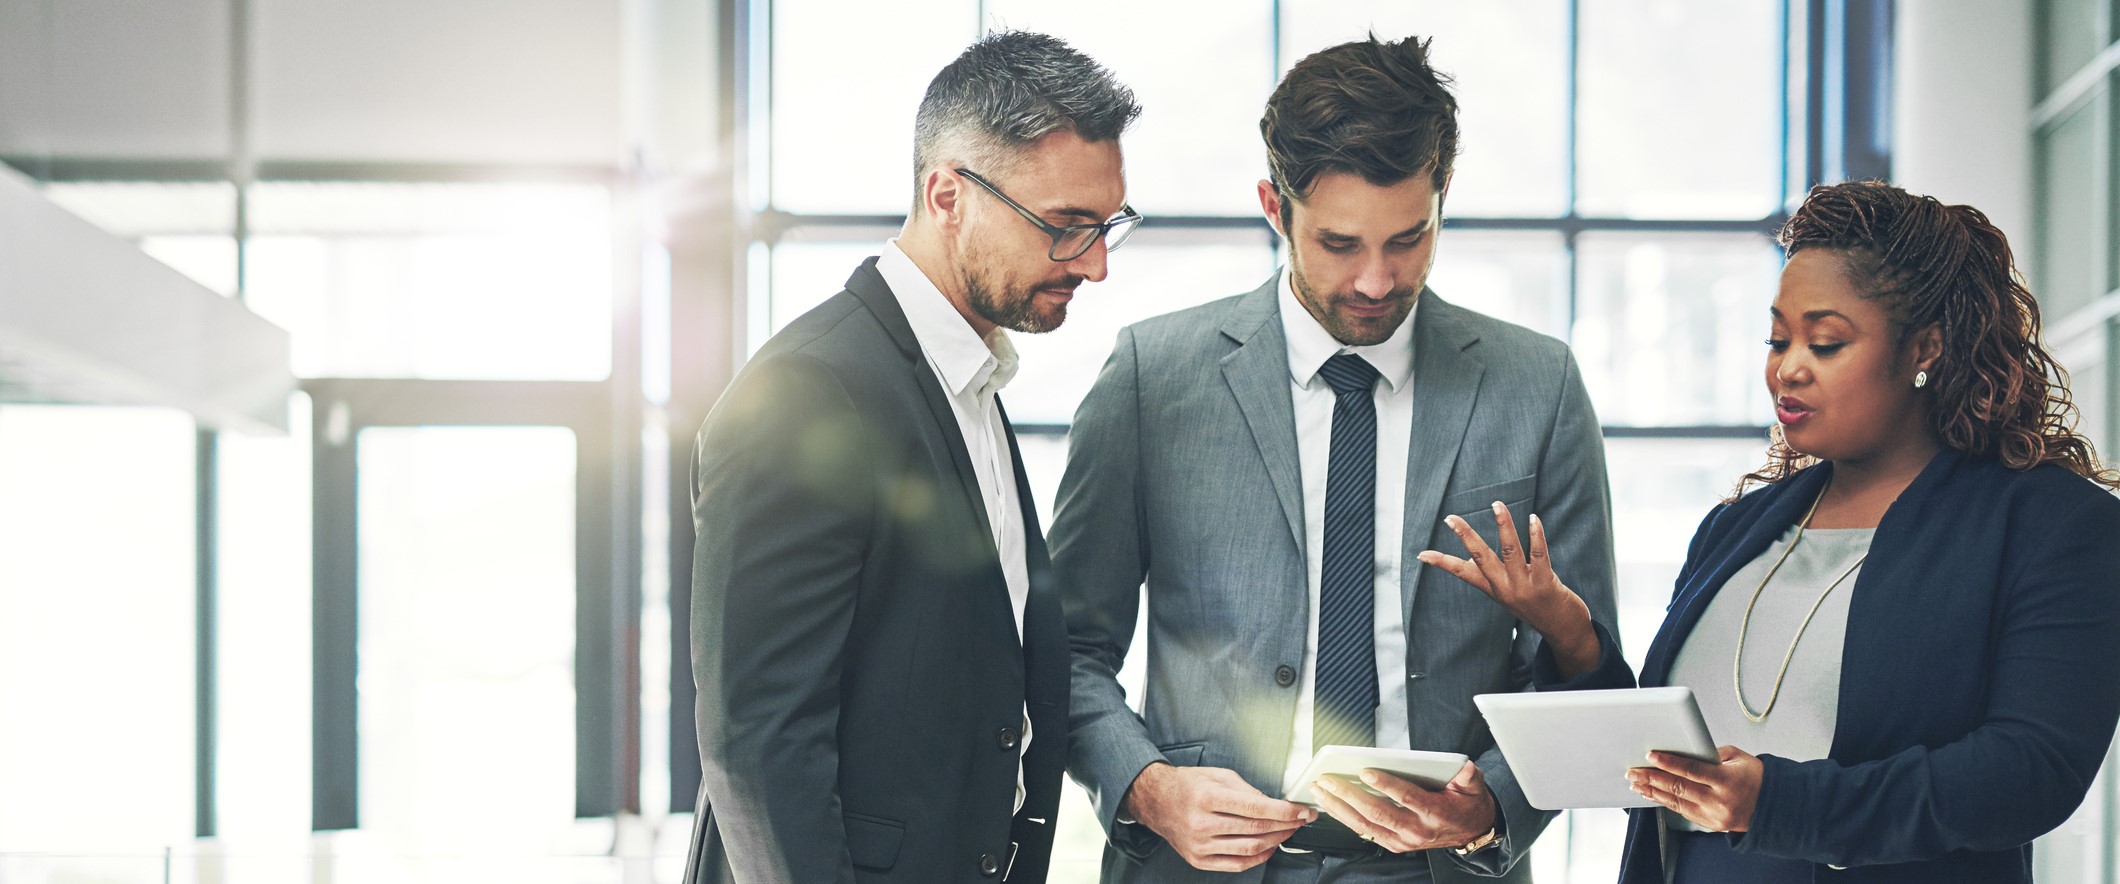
point(1348, 373)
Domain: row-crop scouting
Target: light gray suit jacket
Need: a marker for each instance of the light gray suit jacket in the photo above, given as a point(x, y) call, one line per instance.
point(1182, 470)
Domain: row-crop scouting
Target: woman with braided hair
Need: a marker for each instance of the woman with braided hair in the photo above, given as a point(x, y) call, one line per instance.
point(1909, 635)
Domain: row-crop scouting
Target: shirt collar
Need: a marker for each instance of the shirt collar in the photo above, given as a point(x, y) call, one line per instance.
point(1309, 344)
point(966, 363)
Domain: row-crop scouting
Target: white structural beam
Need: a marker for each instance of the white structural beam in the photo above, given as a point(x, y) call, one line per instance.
point(87, 317)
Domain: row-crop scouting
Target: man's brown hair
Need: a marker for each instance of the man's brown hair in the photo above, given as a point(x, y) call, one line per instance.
point(1369, 107)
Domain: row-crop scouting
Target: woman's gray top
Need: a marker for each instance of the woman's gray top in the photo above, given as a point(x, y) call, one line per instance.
point(1800, 727)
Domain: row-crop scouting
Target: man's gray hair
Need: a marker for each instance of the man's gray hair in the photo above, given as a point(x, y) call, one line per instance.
point(1007, 90)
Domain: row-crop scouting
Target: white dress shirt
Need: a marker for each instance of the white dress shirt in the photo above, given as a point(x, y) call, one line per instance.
point(1309, 345)
point(972, 370)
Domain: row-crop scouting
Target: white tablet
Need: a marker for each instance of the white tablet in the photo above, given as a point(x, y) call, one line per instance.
point(1571, 749)
point(1430, 769)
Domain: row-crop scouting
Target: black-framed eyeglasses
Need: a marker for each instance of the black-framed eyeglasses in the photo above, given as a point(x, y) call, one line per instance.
point(1070, 242)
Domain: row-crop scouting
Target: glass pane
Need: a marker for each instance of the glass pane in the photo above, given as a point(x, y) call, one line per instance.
point(1795, 139)
point(1680, 113)
point(847, 80)
point(467, 603)
point(188, 225)
point(1195, 150)
point(509, 281)
point(264, 628)
point(209, 260)
point(2073, 31)
point(1158, 271)
point(97, 599)
point(1661, 489)
point(2071, 265)
point(1044, 459)
point(1670, 326)
point(1515, 277)
point(807, 272)
point(1508, 63)
point(133, 209)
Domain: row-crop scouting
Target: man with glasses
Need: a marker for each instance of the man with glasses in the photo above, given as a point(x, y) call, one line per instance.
point(881, 661)
point(1272, 464)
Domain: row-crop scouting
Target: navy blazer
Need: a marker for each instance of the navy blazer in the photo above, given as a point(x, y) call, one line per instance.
point(1980, 678)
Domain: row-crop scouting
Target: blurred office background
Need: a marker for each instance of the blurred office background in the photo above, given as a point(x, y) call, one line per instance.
point(350, 352)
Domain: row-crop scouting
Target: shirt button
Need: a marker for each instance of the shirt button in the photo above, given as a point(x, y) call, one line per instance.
point(989, 865)
point(1008, 738)
point(1284, 675)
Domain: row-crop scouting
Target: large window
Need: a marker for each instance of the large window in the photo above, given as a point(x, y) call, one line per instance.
point(2073, 270)
point(1623, 166)
point(480, 517)
point(96, 604)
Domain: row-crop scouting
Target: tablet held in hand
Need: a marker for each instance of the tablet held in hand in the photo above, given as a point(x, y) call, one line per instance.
point(1572, 749)
point(1429, 770)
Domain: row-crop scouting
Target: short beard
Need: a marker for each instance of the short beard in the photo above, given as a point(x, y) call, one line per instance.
point(1019, 313)
point(1350, 335)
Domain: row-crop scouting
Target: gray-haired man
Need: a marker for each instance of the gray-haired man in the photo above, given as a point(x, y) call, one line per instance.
point(882, 667)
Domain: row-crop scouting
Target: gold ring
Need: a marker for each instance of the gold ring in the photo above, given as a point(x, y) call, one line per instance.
point(1368, 837)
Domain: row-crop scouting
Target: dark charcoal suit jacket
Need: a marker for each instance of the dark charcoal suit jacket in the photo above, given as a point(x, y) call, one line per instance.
point(861, 682)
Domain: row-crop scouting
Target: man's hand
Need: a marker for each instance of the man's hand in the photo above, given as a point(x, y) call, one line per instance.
point(1452, 816)
point(1522, 581)
point(1215, 820)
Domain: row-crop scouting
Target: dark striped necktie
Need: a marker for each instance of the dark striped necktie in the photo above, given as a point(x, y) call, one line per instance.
point(1346, 688)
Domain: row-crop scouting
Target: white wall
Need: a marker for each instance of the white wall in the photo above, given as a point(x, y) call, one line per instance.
point(1962, 95)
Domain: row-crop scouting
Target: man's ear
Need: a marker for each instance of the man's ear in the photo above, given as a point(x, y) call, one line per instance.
point(1270, 206)
point(941, 195)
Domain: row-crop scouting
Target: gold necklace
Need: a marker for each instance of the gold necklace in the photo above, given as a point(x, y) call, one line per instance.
point(1737, 666)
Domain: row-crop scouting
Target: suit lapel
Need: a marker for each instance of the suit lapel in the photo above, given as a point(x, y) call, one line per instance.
point(1257, 372)
point(1041, 608)
point(868, 285)
point(1446, 383)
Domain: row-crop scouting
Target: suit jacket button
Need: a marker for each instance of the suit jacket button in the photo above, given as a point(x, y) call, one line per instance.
point(1284, 675)
point(989, 865)
point(1008, 738)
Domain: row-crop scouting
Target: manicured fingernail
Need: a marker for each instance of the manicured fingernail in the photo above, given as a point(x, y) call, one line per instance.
point(1497, 506)
point(1369, 777)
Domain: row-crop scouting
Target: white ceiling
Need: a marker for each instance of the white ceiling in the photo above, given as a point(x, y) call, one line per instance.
point(397, 81)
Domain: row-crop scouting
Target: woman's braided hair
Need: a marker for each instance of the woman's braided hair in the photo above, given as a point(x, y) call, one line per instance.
point(1994, 390)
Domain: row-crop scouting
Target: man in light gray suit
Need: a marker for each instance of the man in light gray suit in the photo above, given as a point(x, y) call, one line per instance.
point(1272, 465)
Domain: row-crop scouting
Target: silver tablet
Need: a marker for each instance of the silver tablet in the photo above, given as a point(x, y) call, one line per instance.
point(1429, 770)
point(1572, 749)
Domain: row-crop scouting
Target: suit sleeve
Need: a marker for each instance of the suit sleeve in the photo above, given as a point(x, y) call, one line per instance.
point(2053, 698)
point(781, 503)
point(1575, 503)
point(1100, 556)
